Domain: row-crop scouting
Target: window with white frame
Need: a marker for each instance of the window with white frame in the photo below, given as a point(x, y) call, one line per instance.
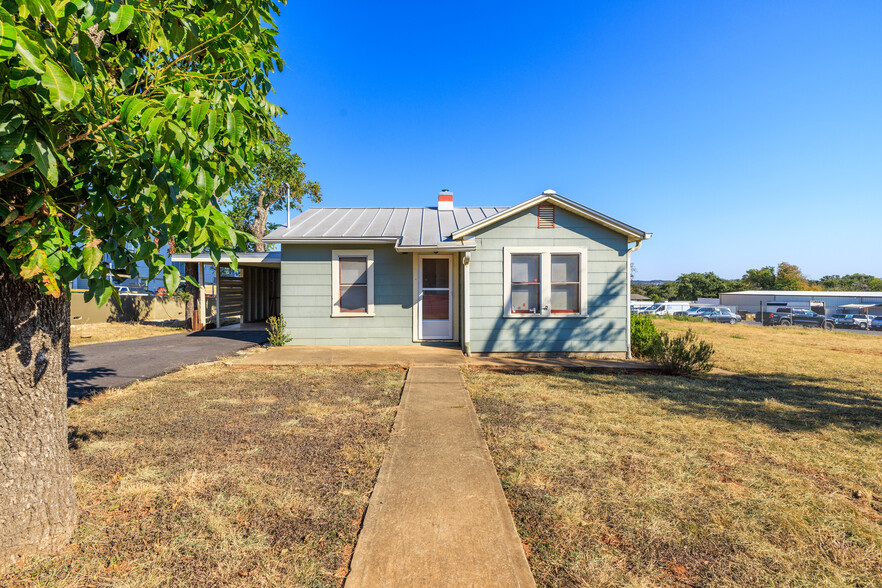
point(352, 292)
point(545, 282)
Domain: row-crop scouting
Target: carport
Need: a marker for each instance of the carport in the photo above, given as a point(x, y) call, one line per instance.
point(251, 293)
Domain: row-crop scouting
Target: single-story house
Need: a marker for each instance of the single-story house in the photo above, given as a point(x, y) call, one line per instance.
point(545, 275)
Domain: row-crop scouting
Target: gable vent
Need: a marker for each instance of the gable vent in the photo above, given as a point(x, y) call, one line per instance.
point(546, 216)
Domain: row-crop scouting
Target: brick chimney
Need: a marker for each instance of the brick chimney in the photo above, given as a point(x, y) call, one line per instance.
point(445, 200)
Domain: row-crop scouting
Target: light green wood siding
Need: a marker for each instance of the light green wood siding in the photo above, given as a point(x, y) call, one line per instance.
point(604, 330)
point(306, 298)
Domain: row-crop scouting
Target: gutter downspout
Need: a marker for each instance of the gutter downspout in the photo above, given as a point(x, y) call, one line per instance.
point(628, 292)
point(466, 305)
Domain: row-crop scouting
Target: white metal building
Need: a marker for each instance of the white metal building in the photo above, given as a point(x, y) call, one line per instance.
point(755, 300)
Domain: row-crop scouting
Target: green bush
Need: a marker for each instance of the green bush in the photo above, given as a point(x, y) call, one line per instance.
point(686, 318)
point(278, 335)
point(643, 334)
point(684, 355)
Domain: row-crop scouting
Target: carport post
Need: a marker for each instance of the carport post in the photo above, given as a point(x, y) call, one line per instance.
point(202, 294)
point(217, 321)
point(466, 306)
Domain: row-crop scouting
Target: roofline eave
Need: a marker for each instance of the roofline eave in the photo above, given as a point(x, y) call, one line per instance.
point(634, 234)
point(332, 240)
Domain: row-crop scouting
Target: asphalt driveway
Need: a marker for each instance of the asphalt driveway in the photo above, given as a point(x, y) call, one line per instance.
point(111, 365)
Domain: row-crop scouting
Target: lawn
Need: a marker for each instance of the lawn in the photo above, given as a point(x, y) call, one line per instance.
point(111, 332)
point(770, 476)
point(218, 477)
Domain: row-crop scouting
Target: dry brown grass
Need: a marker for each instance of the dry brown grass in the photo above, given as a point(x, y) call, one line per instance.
point(110, 332)
point(772, 476)
point(218, 477)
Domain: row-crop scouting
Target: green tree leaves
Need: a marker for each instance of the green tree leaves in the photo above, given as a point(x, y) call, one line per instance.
point(8, 35)
point(121, 16)
point(121, 127)
point(64, 91)
point(29, 51)
point(234, 126)
point(263, 192)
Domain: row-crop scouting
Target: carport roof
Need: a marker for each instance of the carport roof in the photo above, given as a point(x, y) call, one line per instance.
point(813, 293)
point(271, 258)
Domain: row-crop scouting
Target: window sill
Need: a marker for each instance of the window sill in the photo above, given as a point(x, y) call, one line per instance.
point(351, 314)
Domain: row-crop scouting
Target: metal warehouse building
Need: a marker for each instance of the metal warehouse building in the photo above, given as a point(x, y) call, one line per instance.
point(755, 300)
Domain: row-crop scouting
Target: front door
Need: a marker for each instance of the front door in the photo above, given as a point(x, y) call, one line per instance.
point(436, 297)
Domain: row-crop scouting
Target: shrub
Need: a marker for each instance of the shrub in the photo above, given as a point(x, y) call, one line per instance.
point(684, 355)
point(687, 318)
point(278, 335)
point(643, 334)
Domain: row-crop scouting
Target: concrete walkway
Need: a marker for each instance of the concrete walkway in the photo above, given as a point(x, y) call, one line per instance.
point(355, 355)
point(437, 515)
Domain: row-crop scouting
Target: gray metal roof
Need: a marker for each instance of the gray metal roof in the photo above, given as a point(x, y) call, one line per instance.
point(407, 227)
point(243, 257)
point(812, 293)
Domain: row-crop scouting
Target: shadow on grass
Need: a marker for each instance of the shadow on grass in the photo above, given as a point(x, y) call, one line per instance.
point(77, 436)
point(787, 403)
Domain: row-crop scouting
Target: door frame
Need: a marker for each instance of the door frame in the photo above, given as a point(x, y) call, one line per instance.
point(454, 291)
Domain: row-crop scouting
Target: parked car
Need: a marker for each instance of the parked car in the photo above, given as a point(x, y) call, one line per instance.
point(133, 291)
point(852, 321)
point(664, 308)
point(697, 310)
point(876, 323)
point(861, 321)
point(786, 317)
point(722, 316)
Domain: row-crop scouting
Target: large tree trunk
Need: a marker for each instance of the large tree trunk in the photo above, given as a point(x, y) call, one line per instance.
point(258, 228)
point(37, 502)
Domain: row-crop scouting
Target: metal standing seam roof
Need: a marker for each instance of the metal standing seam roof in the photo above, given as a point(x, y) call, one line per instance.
point(814, 293)
point(407, 227)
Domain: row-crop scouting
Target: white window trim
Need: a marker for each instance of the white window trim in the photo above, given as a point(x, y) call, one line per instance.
point(544, 253)
point(336, 254)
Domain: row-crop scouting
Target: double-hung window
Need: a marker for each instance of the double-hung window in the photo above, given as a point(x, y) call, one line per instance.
point(545, 282)
point(525, 285)
point(565, 283)
point(352, 292)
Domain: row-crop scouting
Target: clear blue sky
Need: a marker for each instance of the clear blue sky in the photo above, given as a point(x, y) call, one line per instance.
point(741, 134)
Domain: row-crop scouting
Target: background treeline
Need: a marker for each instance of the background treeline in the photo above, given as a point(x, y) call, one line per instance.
point(785, 276)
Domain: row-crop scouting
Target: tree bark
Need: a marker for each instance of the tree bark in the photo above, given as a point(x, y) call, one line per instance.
point(258, 225)
point(37, 502)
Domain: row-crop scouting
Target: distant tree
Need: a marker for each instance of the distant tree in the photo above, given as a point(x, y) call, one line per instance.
point(851, 282)
point(697, 285)
point(255, 197)
point(790, 277)
point(759, 279)
point(659, 292)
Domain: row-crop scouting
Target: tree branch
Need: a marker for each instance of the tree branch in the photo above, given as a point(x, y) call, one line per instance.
point(65, 145)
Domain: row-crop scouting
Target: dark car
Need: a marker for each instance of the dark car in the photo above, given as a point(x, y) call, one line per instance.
point(722, 316)
point(843, 321)
point(786, 317)
point(852, 321)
